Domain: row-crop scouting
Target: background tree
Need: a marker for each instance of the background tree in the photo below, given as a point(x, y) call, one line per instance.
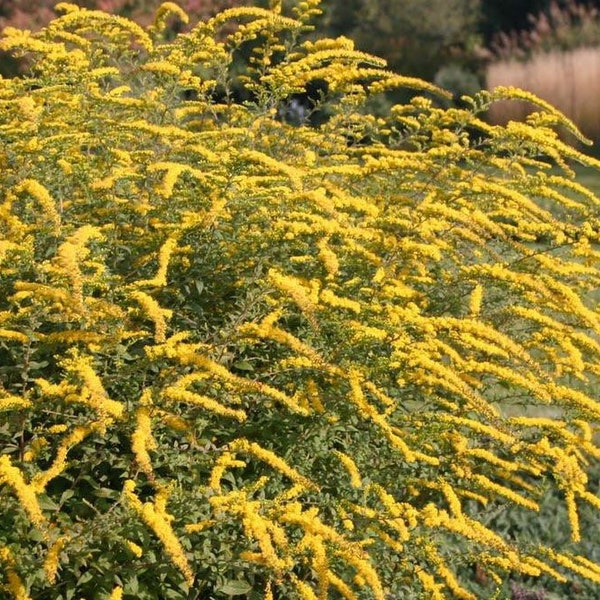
point(416, 38)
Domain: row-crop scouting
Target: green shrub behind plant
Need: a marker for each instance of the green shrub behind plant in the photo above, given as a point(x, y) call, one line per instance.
point(241, 357)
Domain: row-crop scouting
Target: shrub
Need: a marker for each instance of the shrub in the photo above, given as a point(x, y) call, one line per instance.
point(242, 357)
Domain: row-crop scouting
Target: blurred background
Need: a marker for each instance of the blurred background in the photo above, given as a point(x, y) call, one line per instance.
point(550, 47)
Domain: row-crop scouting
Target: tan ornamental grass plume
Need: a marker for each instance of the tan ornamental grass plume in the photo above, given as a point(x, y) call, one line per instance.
point(569, 80)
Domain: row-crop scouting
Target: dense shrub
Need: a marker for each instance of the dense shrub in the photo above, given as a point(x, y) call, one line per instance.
point(242, 357)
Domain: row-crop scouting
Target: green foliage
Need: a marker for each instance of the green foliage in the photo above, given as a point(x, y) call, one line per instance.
point(242, 358)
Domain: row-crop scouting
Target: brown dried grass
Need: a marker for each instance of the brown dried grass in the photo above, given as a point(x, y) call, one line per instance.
point(570, 80)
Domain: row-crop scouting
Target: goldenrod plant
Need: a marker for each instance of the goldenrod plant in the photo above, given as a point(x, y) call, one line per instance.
point(244, 357)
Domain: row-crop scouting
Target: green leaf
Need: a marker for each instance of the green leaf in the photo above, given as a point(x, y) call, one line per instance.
point(235, 587)
point(243, 365)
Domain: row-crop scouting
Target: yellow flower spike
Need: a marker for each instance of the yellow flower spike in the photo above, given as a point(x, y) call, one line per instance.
point(11, 402)
point(172, 174)
point(394, 544)
point(225, 461)
point(66, 7)
point(164, 256)
point(343, 588)
point(177, 393)
point(59, 464)
point(115, 26)
point(136, 550)
point(142, 440)
point(92, 390)
point(495, 488)
point(298, 292)
point(449, 578)
point(274, 461)
point(320, 562)
point(68, 257)
point(163, 492)
point(452, 499)
point(26, 493)
point(164, 12)
point(267, 331)
point(160, 523)
point(117, 593)
point(201, 526)
point(305, 591)
point(475, 301)
point(365, 572)
point(328, 258)
point(155, 313)
point(351, 468)
point(575, 564)
point(240, 384)
point(41, 194)
point(432, 588)
point(330, 298)
point(256, 528)
point(513, 93)
point(15, 584)
point(51, 562)
point(573, 516)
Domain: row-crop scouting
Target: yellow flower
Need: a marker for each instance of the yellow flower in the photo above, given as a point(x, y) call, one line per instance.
point(573, 516)
point(328, 258)
point(452, 499)
point(160, 523)
point(16, 336)
point(40, 193)
point(162, 67)
point(93, 392)
point(156, 314)
point(575, 564)
point(328, 297)
point(201, 526)
point(117, 593)
point(351, 467)
point(11, 402)
point(305, 591)
point(134, 548)
point(178, 394)
point(51, 562)
point(496, 488)
point(164, 256)
point(293, 287)
point(256, 527)
point(142, 441)
point(269, 457)
point(13, 477)
point(166, 10)
point(475, 300)
point(59, 464)
point(342, 587)
point(432, 588)
point(15, 585)
point(226, 460)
